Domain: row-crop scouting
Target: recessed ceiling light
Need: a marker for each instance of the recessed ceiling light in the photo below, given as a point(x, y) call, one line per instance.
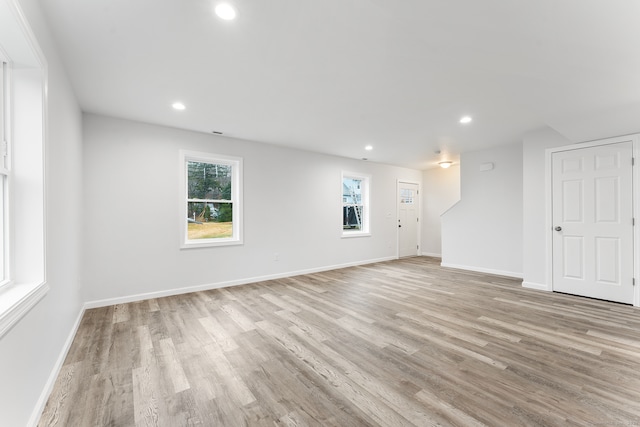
point(369, 147)
point(466, 119)
point(178, 106)
point(225, 11)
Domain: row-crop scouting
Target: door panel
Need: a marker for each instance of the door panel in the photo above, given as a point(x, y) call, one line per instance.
point(608, 259)
point(573, 257)
point(572, 201)
point(592, 220)
point(607, 193)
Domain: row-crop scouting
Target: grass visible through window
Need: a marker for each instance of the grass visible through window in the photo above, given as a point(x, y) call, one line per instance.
point(209, 230)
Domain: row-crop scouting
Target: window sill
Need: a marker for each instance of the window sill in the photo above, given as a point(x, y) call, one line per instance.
point(355, 234)
point(16, 300)
point(210, 244)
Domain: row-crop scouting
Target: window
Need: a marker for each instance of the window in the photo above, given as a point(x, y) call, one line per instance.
point(4, 170)
point(23, 109)
point(407, 196)
point(212, 211)
point(355, 205)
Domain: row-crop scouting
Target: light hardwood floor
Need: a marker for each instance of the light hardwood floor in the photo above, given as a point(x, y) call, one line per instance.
point(392, 344)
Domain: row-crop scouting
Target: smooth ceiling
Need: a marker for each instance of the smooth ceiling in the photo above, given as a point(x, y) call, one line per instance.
point(335, 75)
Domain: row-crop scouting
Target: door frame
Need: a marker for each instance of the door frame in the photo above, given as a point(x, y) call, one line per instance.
point(635, 140)
point(404, 181)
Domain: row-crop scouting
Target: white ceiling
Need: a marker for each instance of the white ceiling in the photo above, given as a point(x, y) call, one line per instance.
point(335, 75)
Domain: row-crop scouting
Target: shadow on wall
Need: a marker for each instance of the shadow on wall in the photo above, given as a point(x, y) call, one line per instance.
point(483, 231)
point(441, 192)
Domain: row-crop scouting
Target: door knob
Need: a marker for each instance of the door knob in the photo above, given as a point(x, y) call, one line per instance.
point(399, 226)
point(558, 228)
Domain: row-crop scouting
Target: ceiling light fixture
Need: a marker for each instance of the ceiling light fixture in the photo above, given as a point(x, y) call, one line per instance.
point(225, 11)
point(445, 164)
point(178, 106)
point(466, 119)
point(369, 147)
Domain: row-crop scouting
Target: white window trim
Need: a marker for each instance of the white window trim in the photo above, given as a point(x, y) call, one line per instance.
point(26, 284)
point(366, 204)
point(236, 198)
point(5, 169)
point(16, 300)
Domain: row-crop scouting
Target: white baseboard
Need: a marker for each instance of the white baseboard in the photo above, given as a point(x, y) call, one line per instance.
point(538, 286)
point(53, 376)
point(218, 285)
point(484, 270)
point(431, 255)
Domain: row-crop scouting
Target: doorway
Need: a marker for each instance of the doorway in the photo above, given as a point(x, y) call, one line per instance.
point(408, 209)
point(592, 221)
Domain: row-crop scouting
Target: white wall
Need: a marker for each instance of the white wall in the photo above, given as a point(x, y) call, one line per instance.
point(441, 190)
point(292, 206)
point(534, 204)
point(29, 352)
point(483, 232)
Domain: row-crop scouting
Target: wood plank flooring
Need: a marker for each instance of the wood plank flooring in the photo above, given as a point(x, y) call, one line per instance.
point(400, 343)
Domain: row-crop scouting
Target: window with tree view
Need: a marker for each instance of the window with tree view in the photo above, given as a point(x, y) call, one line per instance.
point(212, 200)
point(355, 204)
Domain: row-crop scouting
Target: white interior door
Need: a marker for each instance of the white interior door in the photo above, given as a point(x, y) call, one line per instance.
point(592, 215)
point(408, 219)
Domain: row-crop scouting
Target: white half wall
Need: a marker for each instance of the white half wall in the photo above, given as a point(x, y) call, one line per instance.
point(30, 352)
point(483, 232)
point(534, 205)
point(292, 207)
point(440, 191)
